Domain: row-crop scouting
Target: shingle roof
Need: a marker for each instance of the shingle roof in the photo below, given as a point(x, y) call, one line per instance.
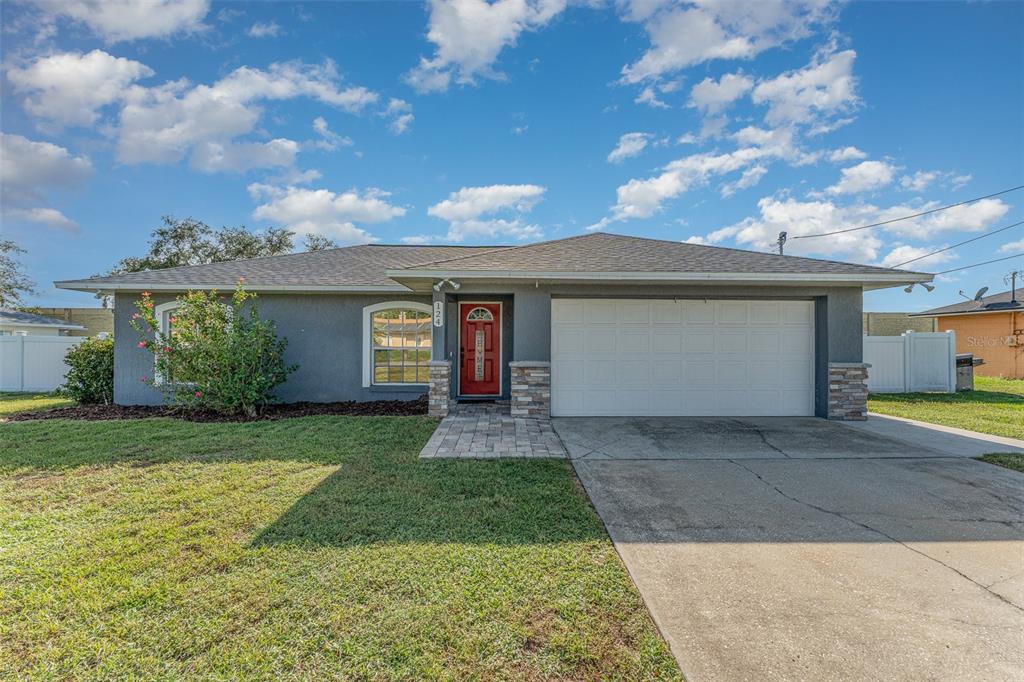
point(8, 316)
point(989, 304)
point(355, 266)
point(605, 252)
point(367, 266)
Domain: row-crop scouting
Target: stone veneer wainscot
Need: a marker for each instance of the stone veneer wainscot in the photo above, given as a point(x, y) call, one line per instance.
point(439, 395)
point(848, 391)
point(531, 389)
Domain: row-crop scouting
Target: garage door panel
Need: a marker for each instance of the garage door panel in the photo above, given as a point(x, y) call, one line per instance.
point(698, 312)
point(664, 357)
point(601, 339)
point(635, 340)
point(666, 312)
point(597, 312)
point(731, 342)
point(567, 312)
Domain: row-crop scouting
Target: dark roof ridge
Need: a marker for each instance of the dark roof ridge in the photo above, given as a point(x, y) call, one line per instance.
point(512, 248)
point(663, 241)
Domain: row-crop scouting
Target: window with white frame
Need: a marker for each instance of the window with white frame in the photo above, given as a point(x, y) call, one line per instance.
point(397, 343)
point(164, 314)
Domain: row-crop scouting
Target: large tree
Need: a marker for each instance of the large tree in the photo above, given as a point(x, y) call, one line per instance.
point(318, 242)
point(193, 242)
point(13, 282)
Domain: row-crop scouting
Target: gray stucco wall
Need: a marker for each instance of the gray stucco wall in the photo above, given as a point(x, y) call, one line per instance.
point(325, 338)
point(325, 333)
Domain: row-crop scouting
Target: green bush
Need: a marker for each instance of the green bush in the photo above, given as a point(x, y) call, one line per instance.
point(90, 379)
point(217, 355)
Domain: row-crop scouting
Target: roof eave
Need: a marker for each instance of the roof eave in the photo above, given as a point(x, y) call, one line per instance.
point(952, 313)
point(866, 280)
point(91, 286)
point(14, 323)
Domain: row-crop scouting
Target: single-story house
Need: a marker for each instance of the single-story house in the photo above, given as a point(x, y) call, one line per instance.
point(598, 324)
point(18, 323)
point(94, 321)
point(992, 329)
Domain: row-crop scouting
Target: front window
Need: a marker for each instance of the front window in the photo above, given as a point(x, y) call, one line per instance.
point(400, 345)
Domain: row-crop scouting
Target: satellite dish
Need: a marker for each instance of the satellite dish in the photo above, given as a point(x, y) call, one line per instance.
point(981, 293)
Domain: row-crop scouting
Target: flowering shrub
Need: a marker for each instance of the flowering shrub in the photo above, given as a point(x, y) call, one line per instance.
point(90, 377)
point(218, 355)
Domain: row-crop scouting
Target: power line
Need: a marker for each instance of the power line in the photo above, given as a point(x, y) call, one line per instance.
point(967, 241)
point(907, 217)
point(976, 265)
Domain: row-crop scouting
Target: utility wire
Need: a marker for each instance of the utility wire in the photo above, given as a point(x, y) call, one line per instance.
point(907, 217)
point(976, 265)
point(967, 241)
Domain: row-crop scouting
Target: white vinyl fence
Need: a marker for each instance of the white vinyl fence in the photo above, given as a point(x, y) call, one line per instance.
point(34, 363)
point(915, 361)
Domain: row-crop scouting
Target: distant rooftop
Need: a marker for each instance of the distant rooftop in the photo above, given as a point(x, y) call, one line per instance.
point(16, 317)
point(996, 303)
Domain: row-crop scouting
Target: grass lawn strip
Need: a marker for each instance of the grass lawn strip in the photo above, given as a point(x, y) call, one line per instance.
point(28, 402)
point(996, 407)
point(302, 548)
point(1009, 460)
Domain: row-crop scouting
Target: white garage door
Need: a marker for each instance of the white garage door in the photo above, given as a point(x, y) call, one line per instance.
point(664, 357)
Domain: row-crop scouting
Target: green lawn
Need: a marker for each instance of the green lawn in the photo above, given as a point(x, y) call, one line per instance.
point(996, 406)
point(1010, 460)
point(309, 548)
point(26, 402)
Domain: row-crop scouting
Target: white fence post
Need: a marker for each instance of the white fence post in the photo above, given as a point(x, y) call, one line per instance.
point(915, 361)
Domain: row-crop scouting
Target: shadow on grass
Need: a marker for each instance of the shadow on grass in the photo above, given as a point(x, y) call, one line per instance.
point(981, 397)
point(493, 502)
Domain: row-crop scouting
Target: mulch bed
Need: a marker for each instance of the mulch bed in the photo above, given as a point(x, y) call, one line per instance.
point(378, 408)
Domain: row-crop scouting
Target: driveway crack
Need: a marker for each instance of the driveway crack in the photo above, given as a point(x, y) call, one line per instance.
point(876, 531)
point(764, 439)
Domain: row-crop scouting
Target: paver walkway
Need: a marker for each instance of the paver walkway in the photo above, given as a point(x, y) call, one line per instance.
point(489, 431)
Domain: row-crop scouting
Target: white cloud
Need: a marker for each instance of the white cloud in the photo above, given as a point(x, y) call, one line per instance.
point(465, 210)
point(750, 177)
point(695, 239)
point(269, 29)
point(919, 181)
point(684, 35)
point(124, 20)
point(1013, 247)
point(864, 177)
point(642, 198)
point(901, 253)
point(649, 97)
point(70, 88)
point(321, 211)
point(163, 124)
point(823, 88)
point(238, 157)
point(28, 169)
point(330, 140)
point(470, 34)
point(713, 97)
point(401, 115)
point(630, 145)
point(846, 154)
point(798, 218)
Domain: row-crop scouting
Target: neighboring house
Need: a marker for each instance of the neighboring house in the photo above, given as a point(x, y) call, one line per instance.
point(17, 323)
point(991, 329)
point(95, 321)
point(598, 324)
point(895, 324)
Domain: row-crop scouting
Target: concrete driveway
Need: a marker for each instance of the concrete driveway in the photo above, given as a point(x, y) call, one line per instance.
point(798, 549)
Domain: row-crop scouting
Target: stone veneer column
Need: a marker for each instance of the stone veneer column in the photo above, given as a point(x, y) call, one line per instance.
point(531, 389)
point(439, 395)
point(848, 391)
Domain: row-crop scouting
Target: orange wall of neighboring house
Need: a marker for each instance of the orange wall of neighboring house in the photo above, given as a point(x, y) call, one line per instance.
point(998, 338)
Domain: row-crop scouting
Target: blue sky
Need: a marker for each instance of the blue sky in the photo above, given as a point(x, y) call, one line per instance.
point(470, 123)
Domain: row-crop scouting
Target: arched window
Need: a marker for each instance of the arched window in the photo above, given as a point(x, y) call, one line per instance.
point(396, 343)
point(163, 313)
point(477, 314)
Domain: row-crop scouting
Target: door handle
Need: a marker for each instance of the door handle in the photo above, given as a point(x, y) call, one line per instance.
point(462, 354)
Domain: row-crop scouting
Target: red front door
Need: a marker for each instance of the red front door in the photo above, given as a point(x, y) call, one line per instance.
point(480, 348)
